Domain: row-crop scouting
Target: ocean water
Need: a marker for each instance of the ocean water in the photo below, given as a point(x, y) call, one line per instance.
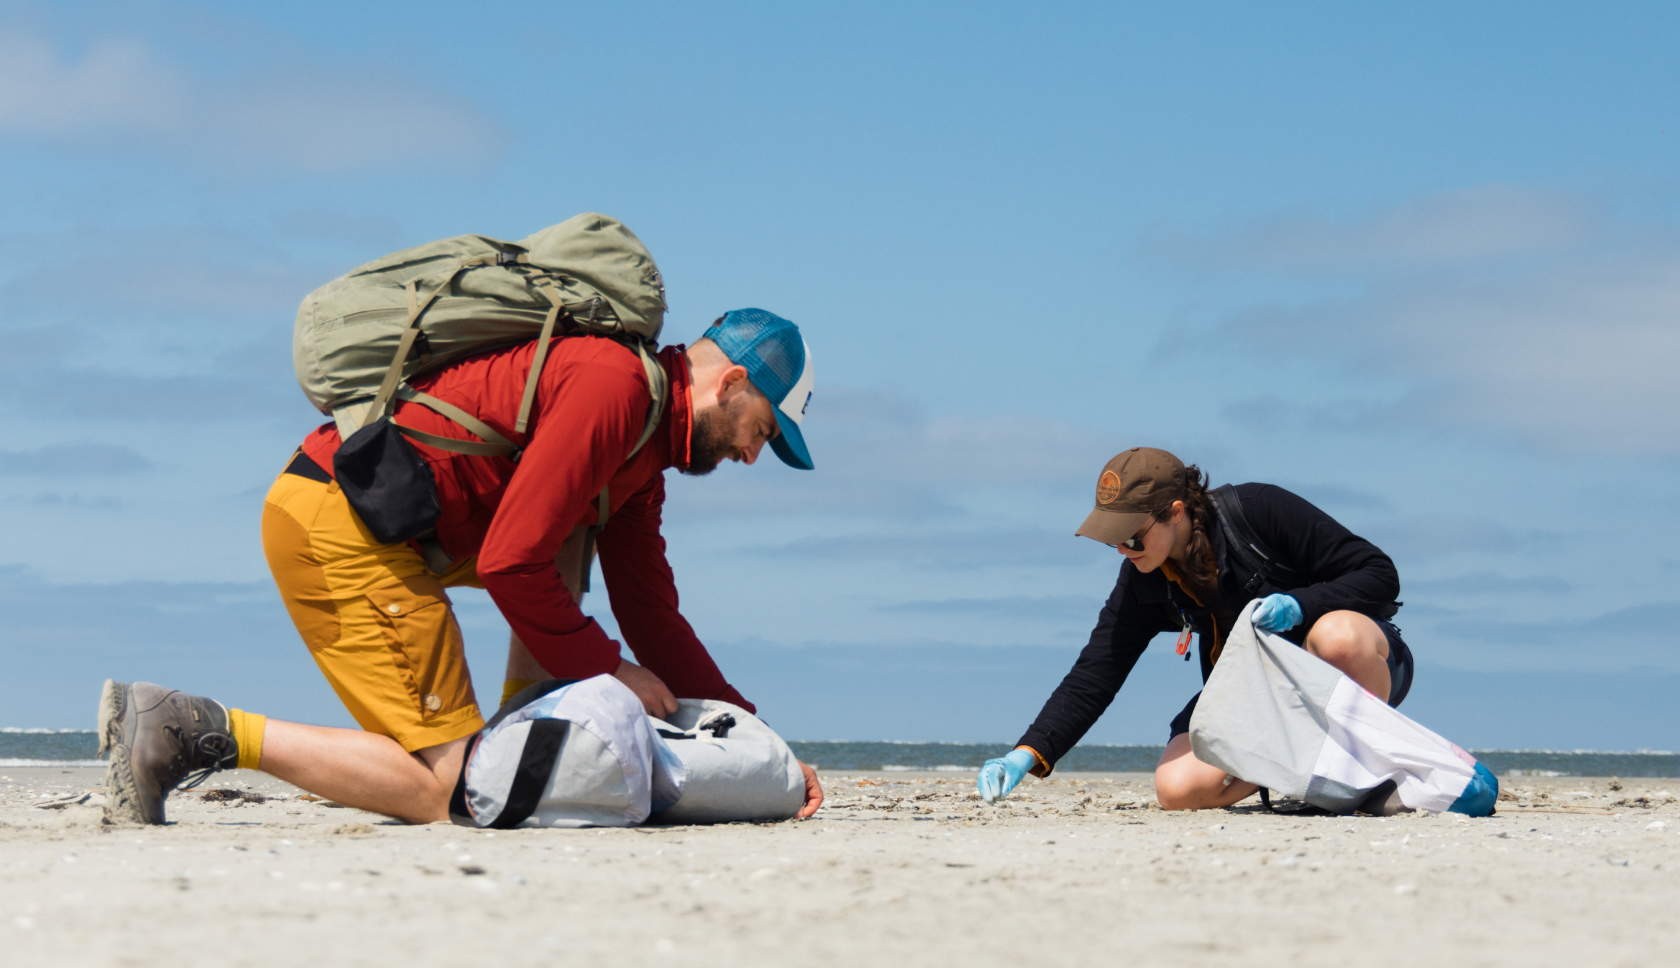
point(967, 757)
point(33, 747)
point(26, 747)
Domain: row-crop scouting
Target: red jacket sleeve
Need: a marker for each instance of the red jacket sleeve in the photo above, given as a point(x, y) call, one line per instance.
point(583, 427)
point(644, 600)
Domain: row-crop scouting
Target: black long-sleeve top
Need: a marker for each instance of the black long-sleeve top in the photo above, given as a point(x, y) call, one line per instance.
point(1343, 571)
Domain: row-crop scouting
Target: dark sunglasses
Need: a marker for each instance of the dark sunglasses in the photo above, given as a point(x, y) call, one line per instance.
point(1135, 542)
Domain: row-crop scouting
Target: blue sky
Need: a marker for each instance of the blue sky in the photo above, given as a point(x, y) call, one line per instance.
point(1418, 262)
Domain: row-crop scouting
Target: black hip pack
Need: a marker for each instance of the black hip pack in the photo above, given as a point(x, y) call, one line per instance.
point(388, 484)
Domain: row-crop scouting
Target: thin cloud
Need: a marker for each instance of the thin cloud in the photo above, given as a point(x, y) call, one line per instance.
point(1492, 583)
point(286, 111)
point(1441, 536)
point(881, 455)
point(58, 391)
point(951, 549)
point(1626, 638)
point(1516, 312)
point(1472, 224)
point(1653, 621)
point(169, 277)
point(81, 459)
point(120, 84)
point(870, 429)
point(1578, 359)
point(1003, 606)
point(1335, 496)
point(231, 640)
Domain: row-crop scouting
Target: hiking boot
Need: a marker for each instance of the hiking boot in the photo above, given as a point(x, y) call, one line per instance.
point(158, 739)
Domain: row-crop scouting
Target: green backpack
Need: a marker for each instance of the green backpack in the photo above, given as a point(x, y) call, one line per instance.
point(360, 337)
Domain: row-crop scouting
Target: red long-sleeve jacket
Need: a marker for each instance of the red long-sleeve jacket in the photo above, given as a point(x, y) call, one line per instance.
point(590, 407)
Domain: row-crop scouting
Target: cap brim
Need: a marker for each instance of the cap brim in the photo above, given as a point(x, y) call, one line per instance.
point(789, 445)
point(1112, 527)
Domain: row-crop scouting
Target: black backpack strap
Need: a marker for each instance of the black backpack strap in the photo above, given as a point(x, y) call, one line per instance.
point(1243, 546)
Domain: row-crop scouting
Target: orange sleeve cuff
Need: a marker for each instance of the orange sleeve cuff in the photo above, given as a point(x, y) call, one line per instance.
point(1043, 767)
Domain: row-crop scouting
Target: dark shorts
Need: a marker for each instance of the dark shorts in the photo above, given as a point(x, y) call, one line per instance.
point(1399, 675)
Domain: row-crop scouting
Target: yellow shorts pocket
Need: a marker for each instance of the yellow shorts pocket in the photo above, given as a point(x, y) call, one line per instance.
point(419, 626)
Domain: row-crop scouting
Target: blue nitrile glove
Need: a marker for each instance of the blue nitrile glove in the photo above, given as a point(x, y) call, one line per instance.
point(1277, 613)
point(999, 776)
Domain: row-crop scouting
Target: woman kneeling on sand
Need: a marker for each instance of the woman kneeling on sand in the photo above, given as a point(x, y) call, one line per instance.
point(1194, 560)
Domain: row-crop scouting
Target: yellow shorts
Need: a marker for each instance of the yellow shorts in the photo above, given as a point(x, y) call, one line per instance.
point(373, 615)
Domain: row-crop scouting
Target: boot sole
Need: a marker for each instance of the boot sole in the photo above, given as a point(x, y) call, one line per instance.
point(122, 805)
point(112, 701)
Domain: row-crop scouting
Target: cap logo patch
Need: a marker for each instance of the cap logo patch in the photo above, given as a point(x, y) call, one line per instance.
point(1108, 487)
point(807, 405)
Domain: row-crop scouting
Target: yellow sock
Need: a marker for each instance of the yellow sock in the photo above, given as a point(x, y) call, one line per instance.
point(247, 730)
point(514, 687)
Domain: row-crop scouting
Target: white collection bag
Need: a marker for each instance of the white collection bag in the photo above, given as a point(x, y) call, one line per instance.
point(1274, 714)
point(731, 766)
point(585, 754)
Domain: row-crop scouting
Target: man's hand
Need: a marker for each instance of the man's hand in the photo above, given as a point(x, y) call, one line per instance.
point(813, 793)
point(656, 699)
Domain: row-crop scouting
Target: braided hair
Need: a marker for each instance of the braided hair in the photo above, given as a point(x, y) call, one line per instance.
point(1200, 570)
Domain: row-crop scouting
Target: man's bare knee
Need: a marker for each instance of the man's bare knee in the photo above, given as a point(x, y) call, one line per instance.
point(434, 786)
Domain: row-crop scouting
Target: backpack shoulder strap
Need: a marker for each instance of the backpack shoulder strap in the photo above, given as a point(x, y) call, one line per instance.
point(659, 386)
point(1243, 545)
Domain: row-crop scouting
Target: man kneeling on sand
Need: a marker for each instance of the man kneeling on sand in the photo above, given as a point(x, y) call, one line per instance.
point(376, 618)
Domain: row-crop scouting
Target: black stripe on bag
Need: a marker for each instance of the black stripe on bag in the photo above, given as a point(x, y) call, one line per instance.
point(458, 811)
point(536, 765)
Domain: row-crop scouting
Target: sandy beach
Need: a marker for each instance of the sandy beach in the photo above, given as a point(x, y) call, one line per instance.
point(898, 868)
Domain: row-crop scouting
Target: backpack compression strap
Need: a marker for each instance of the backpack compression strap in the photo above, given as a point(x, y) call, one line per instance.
point(1251, 554)
point(416, 308)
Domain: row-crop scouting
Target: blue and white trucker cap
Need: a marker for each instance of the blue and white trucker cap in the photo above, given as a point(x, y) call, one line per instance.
point(778, 362)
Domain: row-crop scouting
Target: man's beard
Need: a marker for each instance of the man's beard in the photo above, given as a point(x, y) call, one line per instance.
point(710, 442)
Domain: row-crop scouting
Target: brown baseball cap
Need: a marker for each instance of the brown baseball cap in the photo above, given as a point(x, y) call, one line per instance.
point(1133, 487)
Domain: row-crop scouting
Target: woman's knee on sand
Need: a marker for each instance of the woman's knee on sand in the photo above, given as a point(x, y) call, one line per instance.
point(1183, 782)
